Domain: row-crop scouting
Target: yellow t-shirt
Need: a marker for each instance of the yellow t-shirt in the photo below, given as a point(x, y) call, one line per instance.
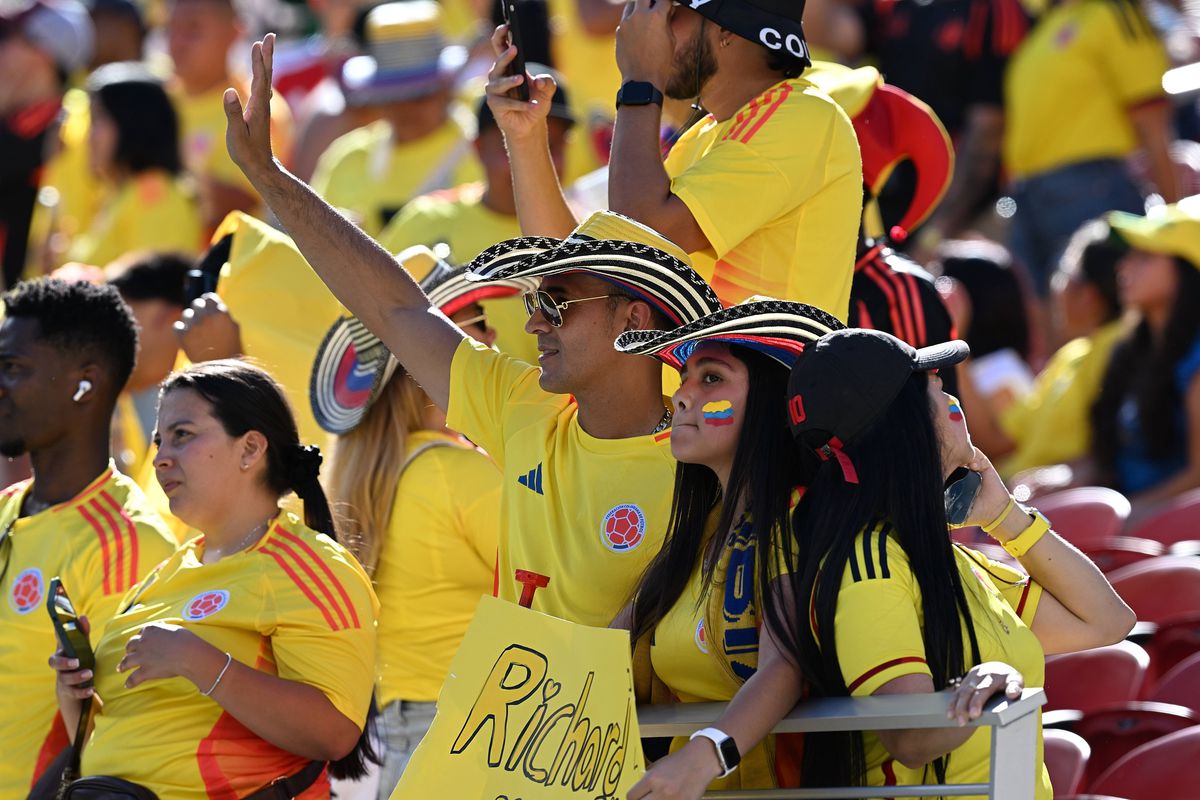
point(296, 605)
point(438, 558)
point(101, 543)
point(1052, 424)
point(879, 625)
point(777, 189)
point(364, 174)
point(152, 211)
point(588, 513)
point(459, 219)
point(1071, 83)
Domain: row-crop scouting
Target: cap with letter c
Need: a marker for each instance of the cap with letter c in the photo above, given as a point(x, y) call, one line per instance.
point(775, 24)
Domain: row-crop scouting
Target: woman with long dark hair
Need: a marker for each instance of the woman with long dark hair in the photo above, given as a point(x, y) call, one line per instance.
point(249, 655)
point(895, 607)
point(133, 147)
point(1146, 421)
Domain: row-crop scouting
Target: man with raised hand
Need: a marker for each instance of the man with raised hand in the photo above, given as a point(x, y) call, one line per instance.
point(584, 440)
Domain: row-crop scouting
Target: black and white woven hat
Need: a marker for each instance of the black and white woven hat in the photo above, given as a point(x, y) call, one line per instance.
point(613, 248)
point(779, 328)
point(353, 365)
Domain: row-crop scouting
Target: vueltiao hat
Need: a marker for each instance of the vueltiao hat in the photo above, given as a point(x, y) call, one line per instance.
point(1173, 230)
point(407, 55)
point(775, 24)
point(615, 249)
point(353, 365)
point(847, 380)
point(780, 329)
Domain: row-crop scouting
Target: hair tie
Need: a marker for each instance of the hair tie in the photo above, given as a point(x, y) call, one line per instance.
point(304, 466)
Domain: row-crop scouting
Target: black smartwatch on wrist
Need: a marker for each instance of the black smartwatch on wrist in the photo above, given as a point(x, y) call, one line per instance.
point(728, 754)
point(638, 93)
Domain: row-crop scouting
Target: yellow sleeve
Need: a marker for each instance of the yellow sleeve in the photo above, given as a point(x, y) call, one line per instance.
point(1018, 589)
point(485, 386)
point(1129, 52)
point(878, 624)
point(168, 219)
point(323, 629)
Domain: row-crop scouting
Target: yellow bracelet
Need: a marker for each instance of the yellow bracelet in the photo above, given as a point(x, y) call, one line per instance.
point(1021, 544)
point(991, 526)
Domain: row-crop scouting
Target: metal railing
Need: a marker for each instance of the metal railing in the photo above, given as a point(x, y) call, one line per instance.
point(1014, 724)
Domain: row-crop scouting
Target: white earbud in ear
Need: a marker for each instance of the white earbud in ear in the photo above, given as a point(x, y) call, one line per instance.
point(85, 386)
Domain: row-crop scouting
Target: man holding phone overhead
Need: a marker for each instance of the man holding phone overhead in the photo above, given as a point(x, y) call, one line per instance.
point(66, 350)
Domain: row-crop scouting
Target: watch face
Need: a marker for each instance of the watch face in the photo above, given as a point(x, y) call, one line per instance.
point(729, 753)
point(636, 93)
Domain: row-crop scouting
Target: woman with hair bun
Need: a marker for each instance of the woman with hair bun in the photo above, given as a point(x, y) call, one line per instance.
point(249, 655)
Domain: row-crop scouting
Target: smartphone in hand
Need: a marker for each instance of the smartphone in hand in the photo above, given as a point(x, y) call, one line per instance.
point(960, 496)
point(517, 65)
point(71, 639)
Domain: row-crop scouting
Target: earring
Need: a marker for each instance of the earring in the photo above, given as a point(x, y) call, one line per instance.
point(85, 386)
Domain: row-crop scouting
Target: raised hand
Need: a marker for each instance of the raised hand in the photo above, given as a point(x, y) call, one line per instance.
point(517, 118)
point(207, 331)
point(248, 131)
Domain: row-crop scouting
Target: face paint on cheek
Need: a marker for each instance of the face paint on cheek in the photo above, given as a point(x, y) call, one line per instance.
point(718, 413)
point(955, 410)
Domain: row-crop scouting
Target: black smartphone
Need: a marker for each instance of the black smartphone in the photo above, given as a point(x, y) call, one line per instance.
point(517, 66)
point(203, 277)
point(71, 639)
point(960, 496)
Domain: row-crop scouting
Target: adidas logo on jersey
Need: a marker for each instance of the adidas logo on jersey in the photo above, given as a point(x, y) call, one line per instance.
point(532, 479)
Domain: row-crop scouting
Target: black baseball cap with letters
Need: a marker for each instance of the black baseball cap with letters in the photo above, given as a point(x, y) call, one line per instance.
point(775, 24)
point(846, 381)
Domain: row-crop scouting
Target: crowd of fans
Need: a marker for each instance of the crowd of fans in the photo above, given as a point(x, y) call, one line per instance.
point(674, 328)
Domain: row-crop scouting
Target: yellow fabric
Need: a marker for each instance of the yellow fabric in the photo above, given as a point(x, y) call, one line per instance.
point(459, 220)
point(281, 330)
point(1071, 83)
point(439, 557)
point(364, 174)
point(777, 189)
point(296, 605)
point(151, 211)
point(1052, 424)
point(1173, 230)
point(562, 489)
point(130, 444)
point(879, 625)
point(101, 543)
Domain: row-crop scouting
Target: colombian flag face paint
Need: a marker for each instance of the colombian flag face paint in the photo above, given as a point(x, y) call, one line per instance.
point(718, 413)
point(955, 410)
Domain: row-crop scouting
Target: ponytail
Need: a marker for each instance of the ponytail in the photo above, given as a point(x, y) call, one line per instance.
point(303, 469)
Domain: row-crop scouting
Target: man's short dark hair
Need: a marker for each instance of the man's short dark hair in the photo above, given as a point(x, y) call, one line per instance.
point(657, 318)
point(785, 63)
point(153, 276)
point(79, 317)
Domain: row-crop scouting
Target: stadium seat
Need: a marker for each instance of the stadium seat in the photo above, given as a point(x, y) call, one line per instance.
point(1121, 551)
point(1089, 515)
point(1097, 678)
point(1164, 769)
point(1113, 732)
point(1066, 756)
point(1160, 588)
point(1178, 521)
point(1181, 685)
point(1169, 643)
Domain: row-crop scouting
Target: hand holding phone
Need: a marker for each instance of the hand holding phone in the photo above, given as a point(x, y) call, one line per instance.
point(517, 66)
point(72, 637)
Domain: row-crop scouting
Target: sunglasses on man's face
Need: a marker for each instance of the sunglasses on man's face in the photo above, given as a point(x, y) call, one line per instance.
point(552, 309)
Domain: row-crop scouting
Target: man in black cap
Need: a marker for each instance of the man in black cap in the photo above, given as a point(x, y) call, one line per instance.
point(764, 192)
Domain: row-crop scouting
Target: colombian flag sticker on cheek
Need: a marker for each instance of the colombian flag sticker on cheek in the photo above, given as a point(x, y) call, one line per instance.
point(718, 413)
point(955, 411)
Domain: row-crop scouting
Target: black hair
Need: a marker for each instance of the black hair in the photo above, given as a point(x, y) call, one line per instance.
point(999, 318)
point(827, 524)
point(766, 468)
point(78, 317)
point(1143, 367)
point(154, 276)
point(1091, 256)
point(658, 320)
point(147, 126)
point(245, 398)
point(785, 63)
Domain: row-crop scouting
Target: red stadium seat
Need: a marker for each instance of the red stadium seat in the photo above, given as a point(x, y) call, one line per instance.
point(1171, 642)
point(1113, 732)
point(1089, 515)
point(1165, 769)
point(1121, 551)
point(1160, 588)
point(1093, 679)
point(1178, 521)
point(1066, 756)
point(1181, 685)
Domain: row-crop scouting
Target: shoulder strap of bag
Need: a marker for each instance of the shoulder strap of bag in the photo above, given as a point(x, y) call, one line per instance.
point(291, 786)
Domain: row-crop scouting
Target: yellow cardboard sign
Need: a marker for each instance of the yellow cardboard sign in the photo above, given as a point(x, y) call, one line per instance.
point(534, 708)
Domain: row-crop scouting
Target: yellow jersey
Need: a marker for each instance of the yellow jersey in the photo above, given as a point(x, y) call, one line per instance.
point(587, 513)
point(879, 626)
point(151, 211)
point(459, 220)
point(364, 174)
point(1071, 83)
point(438, 558)
point(1052, 424)
point(777, 189)
point(101, 543)
point(296, 605)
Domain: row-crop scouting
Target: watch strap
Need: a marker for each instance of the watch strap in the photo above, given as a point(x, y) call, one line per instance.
point(728, 755)
point(1039, 527)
